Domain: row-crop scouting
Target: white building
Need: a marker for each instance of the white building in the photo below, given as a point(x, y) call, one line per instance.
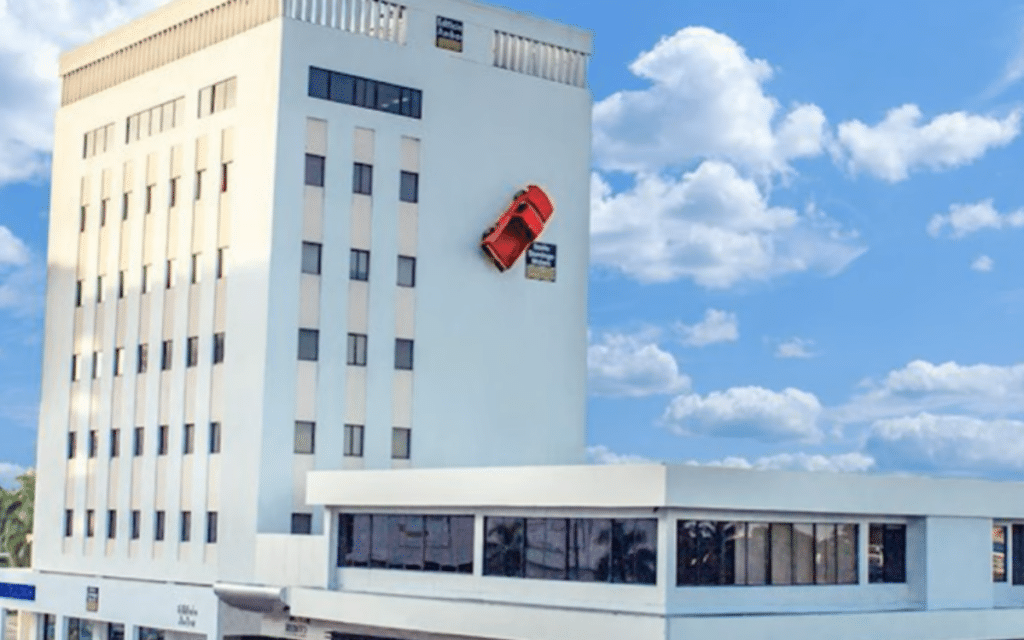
point(273, 347)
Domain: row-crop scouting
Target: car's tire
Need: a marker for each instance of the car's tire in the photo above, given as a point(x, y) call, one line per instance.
point(518, 193)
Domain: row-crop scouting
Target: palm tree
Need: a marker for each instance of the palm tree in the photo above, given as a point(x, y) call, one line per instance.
point(16, 517)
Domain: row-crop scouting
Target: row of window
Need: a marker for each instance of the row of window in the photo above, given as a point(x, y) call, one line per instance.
point(305, 440)
point(142, 357)
point(410, 542)
point(309, 349)
point(169, 278)
point(188, 440)
point(359, 264)
point(159, 522)
point(172, 197)
point(362, 178)
point(366, 93)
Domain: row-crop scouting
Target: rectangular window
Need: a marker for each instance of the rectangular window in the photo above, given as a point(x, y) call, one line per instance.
point(72, 444)
point(166, 352)
point(188, 439)
point(315, 170)
point(194, 275)
point(125, 203)
point(211, 527)
point(305, 434)
point(357, 349)
point(364, 92)
point(302, 523)
point(309, 344)
point(401, 441)
point(137, 441)
point(111, 524)
point(136, 524)
point(1017, 545)
point(93, 443)
point(149, 198)
point(120, 283)
point(90, 523)
point(169, 275)
point(158, 526)
point(359, 265)
point(218, 347)
point(220, 262)
point(409, 187)
point(214, 437)
point(145, 278)
point(99, 289)
point(142, 358)
point(199, 184)
point(410, 542)
point(81, 218)
point(69, 523)
point(97, 363)
point(224, 171)
point(115, 443)
point(887, 552)
point(75, 364)
point(998, 554)
point(78, 293)
point(403, 354)
point(311, 257)
point(192, 351)
point(354, 440)
point(362, 178)
point(104, 203)
point(172, 198)
point(186, 526)
point(406, 271)
point(119, 361)
point(161, 442)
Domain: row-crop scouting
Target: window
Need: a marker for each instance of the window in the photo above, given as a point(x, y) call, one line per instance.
point(97, 363)
point(887, 552)
point(217, 97)
point(172, 198)
point(218, 347)
point(214, 437)
point(188, 439)
point(194, 275)
point(136, 524)
point(192, 351)
point(713, 553)
point(99, 289)
point(90, 523)
point(111, 524)
point(406, 271)
point(362, 178)
point(119, 361)
point(142, 358)
point(403, 353)
point(410, 542)
point(120, 283)
point(354, 440)
point(71, 444)
point(1017, 542)
point(145, 278)
point(166, 352)
point(314, 170)
point(409, 187)
point(998, 554)
point(93, 443)
point(224, 171)
point(149, 198)
point(186, 526)
point(115, 443)
point(104, 203)
point(169, 275)
point(161, 441)
point(69, 523)
point(357, 349)
point(211, 527)
point(81, 218)
point(137, 442)
point(115, 631)
point(75, 363)
point(158, 526)
point(359, 265)
point(220, 262)
point(199, 184)
point(302, 523)
point(305, 434)
point(400, 443)
point(78, 293)
point(311, 257)
point(125, 204)
point(309, 344)
point(363, 92)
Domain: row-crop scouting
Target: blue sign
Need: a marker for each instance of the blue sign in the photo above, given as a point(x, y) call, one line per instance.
point(17, 591)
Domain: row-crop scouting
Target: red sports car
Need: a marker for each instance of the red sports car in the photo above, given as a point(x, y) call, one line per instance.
point(518, 227)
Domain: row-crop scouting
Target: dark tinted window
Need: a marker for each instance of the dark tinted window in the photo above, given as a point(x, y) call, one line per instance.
point(364, 92)
point(389, 98)
point(409, 187)
point(405, 542)
point(887, 548)
point(343, 88)
point(318, 83)
point(504, 547)
point(315, 170)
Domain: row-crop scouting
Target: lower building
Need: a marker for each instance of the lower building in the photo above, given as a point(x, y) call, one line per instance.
point(598, 552)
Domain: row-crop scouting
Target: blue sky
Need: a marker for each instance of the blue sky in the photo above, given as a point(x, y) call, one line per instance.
point(805, 219)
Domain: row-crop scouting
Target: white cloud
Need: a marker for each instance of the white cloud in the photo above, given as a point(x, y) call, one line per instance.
point(31, 36)
point(600, 454)
point(899, 144)
point(632, 366)
point(1013, 72)
point(705, 100)
point(21, 276)
point(964, 219)
point(983, 264)
point(12, 250)
point(948, 443)
point(747, 412)
point(8, 474)
point(795, 348)
point(712, 226)
point(854, 461)
point(717, 326)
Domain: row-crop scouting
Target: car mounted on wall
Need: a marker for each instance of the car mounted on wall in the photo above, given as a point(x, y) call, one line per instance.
point(518, 227)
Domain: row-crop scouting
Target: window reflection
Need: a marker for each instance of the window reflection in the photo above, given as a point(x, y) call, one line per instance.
point(409, 542)
point(363, 92)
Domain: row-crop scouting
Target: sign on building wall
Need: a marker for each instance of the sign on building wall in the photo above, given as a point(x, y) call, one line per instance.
point(540, 261)
point(449, 34)
point(92, 599)
point(17, 591)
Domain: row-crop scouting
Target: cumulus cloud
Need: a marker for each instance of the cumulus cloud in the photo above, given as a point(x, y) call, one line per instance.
point(712, 226)
point(795, 348)
point(899, 144)
point(8, 474)
point(948, 443)
point(600, 454)
point(964, 219)
point(717, 326)
point(983, 264)
point(625, 365)
point(854, 461)
point(747, 412)
point(21, 276)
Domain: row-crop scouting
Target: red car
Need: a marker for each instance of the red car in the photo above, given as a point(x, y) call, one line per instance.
point(518, 227)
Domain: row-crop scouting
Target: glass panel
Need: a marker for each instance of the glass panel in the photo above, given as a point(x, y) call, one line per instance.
point(589, 549)
point(546, 548)
point(688, 559)
point(462, 541)
point(314, 170)
point(308, 344)
point(503, 549)
point(439, 553)
point(406, 271)
point(360, 93)
point(825, 553)
point(895, 541)
point(415, 106)
point(757, 553)
point(846, 541)
point(405, 542)
point(379, 541)
point(358, 535)
point(803, 554)
point(311, 258)
point(408, 187)
point(342, 88)
point(318, 82)
point(634, 551)
point(1017, 544)
point(389, 97)
point(998, 554)
point(876, 557)
point(782, 553)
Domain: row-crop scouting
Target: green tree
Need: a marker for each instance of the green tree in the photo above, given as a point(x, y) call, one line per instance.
point(16, 516)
